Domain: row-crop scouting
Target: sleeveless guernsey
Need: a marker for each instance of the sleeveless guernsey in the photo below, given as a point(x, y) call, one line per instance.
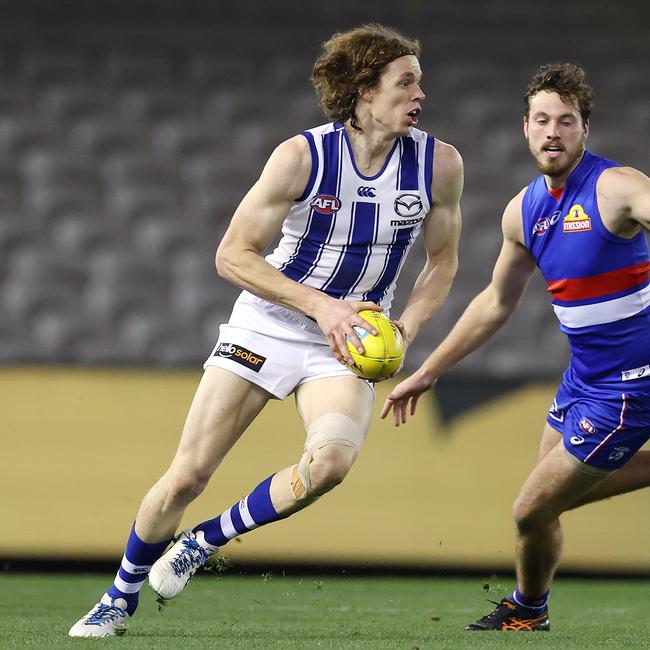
point(348, 235)
point(599, 282)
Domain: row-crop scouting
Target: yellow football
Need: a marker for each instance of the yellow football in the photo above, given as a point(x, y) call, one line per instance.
point(384, 352)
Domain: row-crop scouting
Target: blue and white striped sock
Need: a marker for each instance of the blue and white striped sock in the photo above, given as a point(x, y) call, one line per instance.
point(134, 569)
point(251, 512)
point(536, 606)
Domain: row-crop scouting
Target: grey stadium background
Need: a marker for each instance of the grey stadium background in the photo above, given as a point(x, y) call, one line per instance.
point(129, 131)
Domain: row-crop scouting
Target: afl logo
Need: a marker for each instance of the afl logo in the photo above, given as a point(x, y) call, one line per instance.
point(587, 425)
point(543, 224)
point(325, 203)
point(408, 205)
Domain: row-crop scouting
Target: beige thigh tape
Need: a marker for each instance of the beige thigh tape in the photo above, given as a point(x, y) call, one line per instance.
point(334, 428)
point(328, 429)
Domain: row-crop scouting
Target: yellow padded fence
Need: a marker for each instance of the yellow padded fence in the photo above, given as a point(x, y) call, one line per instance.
point(81, 447)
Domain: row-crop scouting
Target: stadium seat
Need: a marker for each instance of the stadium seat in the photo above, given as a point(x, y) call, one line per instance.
point(138, 69)
point(23, 134)
point(150, 106)
point(186, 138)
point(126, 205)
point(45, 67)
point(60, 170)
point(16, 100)
point(161, 236)
point(68, 104)
point(109, 136)
point(117, 283)
point(192, 303)
point(141, 170)
point(81, 235)
point(16, 232)
point(47, 203)
point(11, 187)
point(43, 298)
point(290, 74)
point(245, 104)
point(214, 71)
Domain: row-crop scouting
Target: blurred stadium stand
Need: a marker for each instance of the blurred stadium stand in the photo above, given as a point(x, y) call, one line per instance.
point(129, 131)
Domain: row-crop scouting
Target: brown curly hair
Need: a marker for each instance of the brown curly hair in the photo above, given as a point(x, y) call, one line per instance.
point(568, 80)
point(351, 63)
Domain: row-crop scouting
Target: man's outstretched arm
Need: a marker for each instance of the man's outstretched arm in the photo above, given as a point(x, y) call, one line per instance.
point(482, 318)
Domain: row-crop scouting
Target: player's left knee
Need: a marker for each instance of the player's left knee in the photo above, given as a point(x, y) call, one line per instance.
point(333, 442)
point(329, 466)
point(530, 516)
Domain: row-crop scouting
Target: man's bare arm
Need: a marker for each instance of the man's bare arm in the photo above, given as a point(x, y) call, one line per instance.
point(256, 222)
point(482, 318)
point(441, 237)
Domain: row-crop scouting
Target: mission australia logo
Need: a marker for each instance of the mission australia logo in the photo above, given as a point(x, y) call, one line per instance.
point(409, 208)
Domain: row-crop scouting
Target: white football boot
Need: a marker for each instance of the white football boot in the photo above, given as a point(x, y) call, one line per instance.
point(170, 574)
point(107, 618)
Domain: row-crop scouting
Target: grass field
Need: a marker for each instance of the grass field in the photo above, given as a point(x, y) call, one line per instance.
point(324, 612)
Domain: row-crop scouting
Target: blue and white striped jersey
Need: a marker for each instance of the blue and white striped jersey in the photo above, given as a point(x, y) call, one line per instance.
point(348, 235)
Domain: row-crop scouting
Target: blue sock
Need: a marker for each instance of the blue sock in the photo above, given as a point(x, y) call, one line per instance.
point(251, 512)
point(133, 571)
point(537, 606)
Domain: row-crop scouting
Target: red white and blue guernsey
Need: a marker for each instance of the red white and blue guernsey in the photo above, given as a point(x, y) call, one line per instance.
point(600, 288)
point(348, 235)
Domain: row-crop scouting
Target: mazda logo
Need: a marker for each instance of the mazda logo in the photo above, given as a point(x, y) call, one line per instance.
point(408, 205)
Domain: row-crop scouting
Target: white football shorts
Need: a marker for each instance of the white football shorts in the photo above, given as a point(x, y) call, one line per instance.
point(274, 347)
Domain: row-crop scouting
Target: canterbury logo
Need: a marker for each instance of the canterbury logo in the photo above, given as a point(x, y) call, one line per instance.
point(368, 192)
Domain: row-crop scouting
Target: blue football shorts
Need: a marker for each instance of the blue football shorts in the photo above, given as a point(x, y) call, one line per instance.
point(602, 428)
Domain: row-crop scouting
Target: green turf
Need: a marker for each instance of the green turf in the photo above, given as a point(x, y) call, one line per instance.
point(323, 612)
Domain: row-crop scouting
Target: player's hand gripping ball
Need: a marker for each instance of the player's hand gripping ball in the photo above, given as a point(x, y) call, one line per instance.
point(384, 352)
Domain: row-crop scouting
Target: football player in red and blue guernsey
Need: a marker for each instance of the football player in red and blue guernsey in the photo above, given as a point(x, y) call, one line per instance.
point(583, 223)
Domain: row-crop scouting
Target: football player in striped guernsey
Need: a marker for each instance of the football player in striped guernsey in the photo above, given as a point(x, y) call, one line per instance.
point(583, 222)
point(349, 197)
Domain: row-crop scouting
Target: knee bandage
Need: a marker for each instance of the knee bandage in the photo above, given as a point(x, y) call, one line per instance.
point(328, 429)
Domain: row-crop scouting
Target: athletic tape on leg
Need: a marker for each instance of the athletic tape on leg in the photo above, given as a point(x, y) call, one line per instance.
point(331, 428)
point(334, 428)
point(298, 487)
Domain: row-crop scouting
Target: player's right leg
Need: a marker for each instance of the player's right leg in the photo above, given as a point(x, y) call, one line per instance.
point(555, 483)
point(590, 440)
point(223, 406)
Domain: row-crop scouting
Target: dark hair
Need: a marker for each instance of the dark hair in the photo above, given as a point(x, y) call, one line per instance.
point(351, 63)
point(568, 80)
